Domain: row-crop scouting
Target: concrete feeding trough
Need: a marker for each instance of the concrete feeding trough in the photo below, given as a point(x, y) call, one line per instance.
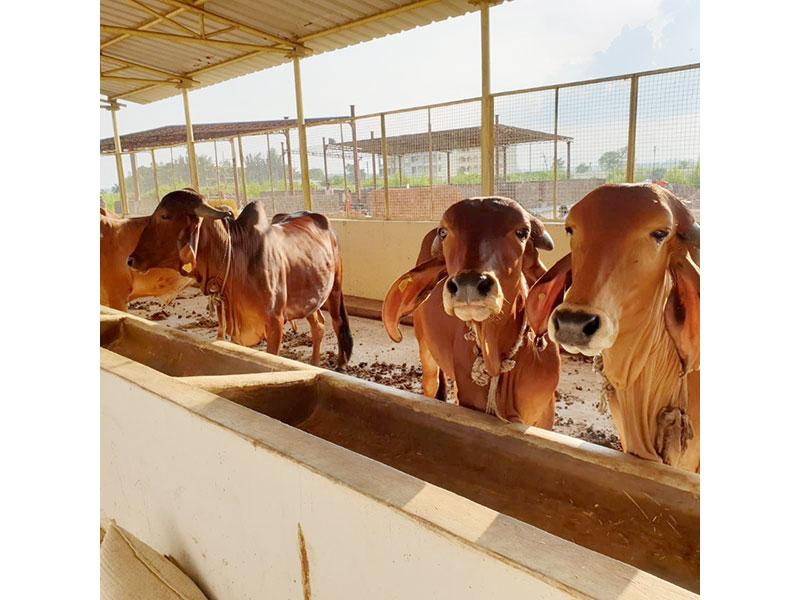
point(257, 472)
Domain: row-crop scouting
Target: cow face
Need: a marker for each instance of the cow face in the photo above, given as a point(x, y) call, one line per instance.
point(626, 241)
point(482, 248)
point(171, 236)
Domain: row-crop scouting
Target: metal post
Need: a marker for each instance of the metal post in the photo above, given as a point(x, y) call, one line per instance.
point(384, 151)
point(487, 108)
point(400, 168)
point(192, 157)
point(555, 157)
point(283, 167)
point(448, 167)
point(216, 164)
point(155, 174)
point(301, 131)
point(505, 164)
point(430, 165)
point(569, 159)
point(289, 160)
point(356, 169)
point(496, 154)
point(135, 177)
point(374, 171)
point(634, 103)
point(344, 162)
point(172, 167)
point(269, 167)
point(325, 161)
point(244, 175)
point(235, 171)
point(123, 197)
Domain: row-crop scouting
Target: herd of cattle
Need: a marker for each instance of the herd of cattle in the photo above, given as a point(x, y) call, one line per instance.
point(488, 316)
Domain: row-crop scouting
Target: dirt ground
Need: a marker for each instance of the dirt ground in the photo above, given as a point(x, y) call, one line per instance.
point(376, 358)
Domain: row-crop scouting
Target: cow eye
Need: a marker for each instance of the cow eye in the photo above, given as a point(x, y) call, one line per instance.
point(523, 233)
point(568, 230)
point(165, 217)
point(442, 232)
point(659, 235)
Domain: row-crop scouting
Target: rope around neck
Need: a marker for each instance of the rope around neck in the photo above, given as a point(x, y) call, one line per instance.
point(480, 375)
point(216, 298)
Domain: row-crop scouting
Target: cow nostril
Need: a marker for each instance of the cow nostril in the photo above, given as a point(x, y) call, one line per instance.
point(484, 285)
point(130, 261)
point(591, 326)
point(452, 286)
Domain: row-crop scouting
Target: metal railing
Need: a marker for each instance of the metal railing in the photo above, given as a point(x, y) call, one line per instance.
point(552, 144)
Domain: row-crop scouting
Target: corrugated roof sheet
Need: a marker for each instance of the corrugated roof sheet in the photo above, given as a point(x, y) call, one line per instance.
point(172, 135)
point(319, 25)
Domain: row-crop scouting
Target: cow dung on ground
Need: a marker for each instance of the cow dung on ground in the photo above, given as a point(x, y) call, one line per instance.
point(376, 358)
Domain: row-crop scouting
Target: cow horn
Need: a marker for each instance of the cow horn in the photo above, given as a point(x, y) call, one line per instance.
point(691, 235)
point(436, 246)
point(209, 212)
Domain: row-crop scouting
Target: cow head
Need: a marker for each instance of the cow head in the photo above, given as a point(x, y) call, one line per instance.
point(628, 242)
point(170, 238)
point(482, 247)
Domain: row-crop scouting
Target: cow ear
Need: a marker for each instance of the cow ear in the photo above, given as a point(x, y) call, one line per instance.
point(187, 246)
point(547, 293)
point(682, 311)
point(408, 292)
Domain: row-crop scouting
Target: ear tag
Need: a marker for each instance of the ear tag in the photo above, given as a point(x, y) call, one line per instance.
point(541, 296)
point(187, 267)
point(404, 284)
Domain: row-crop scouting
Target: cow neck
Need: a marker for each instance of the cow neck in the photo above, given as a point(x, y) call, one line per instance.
point(644, 375)
point(214, 255)
point(499, 338)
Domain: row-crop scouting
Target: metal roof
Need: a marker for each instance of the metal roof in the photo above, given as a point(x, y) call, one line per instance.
point(150, 47)
point(174, 135)
point(450, 139)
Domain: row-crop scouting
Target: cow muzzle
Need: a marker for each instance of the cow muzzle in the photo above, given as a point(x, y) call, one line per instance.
point(473, 296)
point(582, 329)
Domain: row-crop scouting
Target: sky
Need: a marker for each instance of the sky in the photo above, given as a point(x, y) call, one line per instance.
point(533, 42)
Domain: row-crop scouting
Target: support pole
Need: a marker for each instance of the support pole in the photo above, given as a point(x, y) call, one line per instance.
point(344, 162)
point(430, 166)
point(155, 174)
point(290, 173)
point(448, 167)
point(283, 168)
point(400, 168)
point(244, 175)
point(123, 197)
point(487, 108)
point(555, 158)
point(301, 131)
point(216, 167)
point(135, 177)
point(172, 167)
point(356, 168)
point(235, 172)
point(325, 161)
point(569, 159)
point(632, 110)
point(269, 167)
point(496, 154)
point(192, 157)
point(384, 151)
point(374, 171)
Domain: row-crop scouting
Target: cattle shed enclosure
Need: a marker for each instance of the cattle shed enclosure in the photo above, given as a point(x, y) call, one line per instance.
point(256, 472)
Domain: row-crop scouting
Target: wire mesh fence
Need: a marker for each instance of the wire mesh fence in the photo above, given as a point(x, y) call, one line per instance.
point(552, 145)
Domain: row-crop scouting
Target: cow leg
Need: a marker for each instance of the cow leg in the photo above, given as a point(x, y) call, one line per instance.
point(316, 321)
point(430, 373)
point(293, 325)
point(220, 316)
point(274, 331)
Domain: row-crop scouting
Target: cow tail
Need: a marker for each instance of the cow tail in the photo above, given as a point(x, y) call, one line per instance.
point(344, 335)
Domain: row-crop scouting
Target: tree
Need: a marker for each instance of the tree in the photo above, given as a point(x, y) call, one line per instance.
point(612, 160)
point(582, 168)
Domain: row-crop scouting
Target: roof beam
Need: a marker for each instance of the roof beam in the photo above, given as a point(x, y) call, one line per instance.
point(185, 39)
point(155, 13)
point(124, 79)
point(129, 64)
point(238, 25)
point(146, 24)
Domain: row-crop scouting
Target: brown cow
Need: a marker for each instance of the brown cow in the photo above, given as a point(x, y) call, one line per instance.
point(118, 283)
point(633, 298)
point(260, 274)
point(468, 300)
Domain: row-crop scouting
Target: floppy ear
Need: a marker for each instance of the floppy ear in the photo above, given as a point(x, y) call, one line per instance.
point(408, 292)
point(547, 293)
point(187, 246)
point(687, 229)
point(682, 312)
